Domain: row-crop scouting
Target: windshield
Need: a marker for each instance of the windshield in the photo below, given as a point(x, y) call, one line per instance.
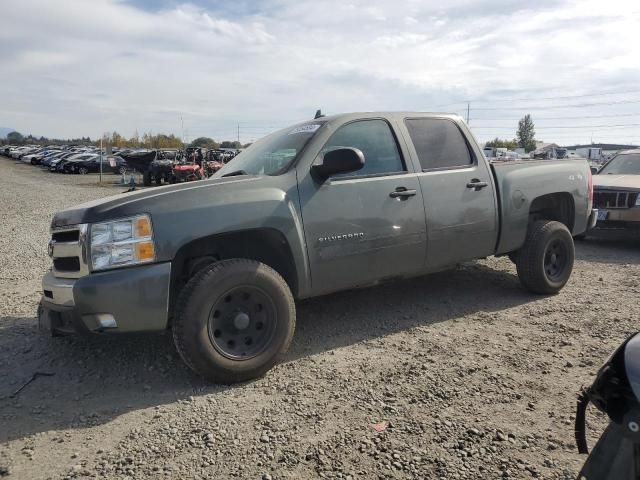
point(272, 154)
point(624, 164)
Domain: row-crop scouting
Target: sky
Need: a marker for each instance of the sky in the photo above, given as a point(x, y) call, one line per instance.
point(221, 68)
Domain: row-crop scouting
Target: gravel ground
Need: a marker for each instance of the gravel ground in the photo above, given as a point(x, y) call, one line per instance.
point(464, 373)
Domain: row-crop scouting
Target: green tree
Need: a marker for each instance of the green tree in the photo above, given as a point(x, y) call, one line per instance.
point(526, 134)
point(498, 143)
point(205, 142)
point(229, 144)
point(15, 138)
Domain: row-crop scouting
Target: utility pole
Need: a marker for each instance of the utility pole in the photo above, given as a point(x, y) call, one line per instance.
point(182, 123)
point(468, 104)
point(238, 133)
point(101, 158)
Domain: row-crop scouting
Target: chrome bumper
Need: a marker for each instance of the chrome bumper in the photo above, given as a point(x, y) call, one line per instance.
point(593, 218)
point(58, 291)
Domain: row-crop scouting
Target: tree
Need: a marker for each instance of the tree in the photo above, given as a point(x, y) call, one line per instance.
point(205, 142)
point(229, 144)
point(498, 143)
point(526, 133)
point(15, 138)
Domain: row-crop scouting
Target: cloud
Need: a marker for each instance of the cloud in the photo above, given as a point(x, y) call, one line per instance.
point(81, 68)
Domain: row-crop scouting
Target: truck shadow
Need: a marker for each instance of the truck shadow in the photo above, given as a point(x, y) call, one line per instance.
point(96, 379)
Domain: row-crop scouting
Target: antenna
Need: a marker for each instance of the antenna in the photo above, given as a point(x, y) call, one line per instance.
point(318, 114)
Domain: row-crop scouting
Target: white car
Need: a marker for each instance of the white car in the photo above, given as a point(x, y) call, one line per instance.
point(30, 156)
point(16, 152)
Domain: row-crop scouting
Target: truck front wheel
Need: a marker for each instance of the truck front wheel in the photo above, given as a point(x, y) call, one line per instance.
point(233, 320)
point(545, 261)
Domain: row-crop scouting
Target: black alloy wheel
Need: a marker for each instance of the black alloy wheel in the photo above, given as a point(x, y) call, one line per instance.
point(242, 322)
point(555, 260)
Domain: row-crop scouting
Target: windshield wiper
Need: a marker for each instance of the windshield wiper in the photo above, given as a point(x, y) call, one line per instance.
point(235, 173)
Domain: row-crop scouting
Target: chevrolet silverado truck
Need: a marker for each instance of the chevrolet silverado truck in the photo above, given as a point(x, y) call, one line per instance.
point(616, 194)
point(330, 204)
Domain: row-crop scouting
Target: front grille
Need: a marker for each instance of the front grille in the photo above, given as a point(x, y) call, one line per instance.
point(614, 199)
point(66, 264)
point(67, 252)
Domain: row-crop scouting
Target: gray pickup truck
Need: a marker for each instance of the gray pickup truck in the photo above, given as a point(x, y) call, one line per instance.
point(330, 204)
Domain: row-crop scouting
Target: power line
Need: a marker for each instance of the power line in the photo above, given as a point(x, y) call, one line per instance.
point(562, 97)
point(531, 99)
point(578, 105)
point(560, 118)
point(549, 127)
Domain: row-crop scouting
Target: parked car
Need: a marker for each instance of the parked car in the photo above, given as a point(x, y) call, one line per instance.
point(85, 163)
point(616, 192)
point(59, 165)
point(46, 162)
point(18, 152)
point(37, 157)
point(117, 164)
point(326, 205)
point(508, 156)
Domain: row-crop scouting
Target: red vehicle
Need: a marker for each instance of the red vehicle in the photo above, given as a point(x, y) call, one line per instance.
point(187, 172)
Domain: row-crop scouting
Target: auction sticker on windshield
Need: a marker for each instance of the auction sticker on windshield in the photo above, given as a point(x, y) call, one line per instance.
point(310, 128)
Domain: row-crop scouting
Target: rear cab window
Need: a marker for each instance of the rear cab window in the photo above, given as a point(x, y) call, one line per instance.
point(439, 144)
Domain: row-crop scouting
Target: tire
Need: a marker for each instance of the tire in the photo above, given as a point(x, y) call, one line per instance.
point(233, 321)
point(545, 261)
point(146, 179)
point(158, 181)
point(83, 170)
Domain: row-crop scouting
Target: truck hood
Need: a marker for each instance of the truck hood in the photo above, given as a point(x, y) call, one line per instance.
point(616, 182)
point(144, 201)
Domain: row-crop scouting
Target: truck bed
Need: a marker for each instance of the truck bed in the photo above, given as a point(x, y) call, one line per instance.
point(520, 181)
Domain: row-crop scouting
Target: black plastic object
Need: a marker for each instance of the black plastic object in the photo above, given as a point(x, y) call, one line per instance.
point(340, 160)
point(615, 392)
point(140, 160)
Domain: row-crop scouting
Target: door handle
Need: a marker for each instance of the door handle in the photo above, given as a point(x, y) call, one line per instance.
point(402, 192)
point(476, 184)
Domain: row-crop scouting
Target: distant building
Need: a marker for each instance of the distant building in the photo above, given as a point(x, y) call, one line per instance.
point(599, 151)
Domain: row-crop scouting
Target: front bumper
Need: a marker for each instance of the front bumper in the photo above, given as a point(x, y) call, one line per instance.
point(134, 299)
point(593, 219)
point(618, 218)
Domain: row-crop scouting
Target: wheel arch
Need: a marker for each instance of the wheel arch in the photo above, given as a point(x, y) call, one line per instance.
point(558, 206)
point(266, 245)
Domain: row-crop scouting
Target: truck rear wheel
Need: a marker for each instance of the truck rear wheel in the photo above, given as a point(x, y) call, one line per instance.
point(146, 179)
point(545, 261)
point(233, 320)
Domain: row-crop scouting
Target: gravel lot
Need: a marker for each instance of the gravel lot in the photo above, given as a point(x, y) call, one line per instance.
point(471, 376)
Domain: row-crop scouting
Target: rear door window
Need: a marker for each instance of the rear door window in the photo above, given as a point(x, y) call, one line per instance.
point(439, 143)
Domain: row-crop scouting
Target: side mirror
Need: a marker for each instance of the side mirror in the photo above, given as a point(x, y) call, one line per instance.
point(340, 160)
point(594, 170)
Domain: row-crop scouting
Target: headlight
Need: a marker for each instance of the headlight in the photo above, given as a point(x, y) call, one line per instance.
point(122, 242)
